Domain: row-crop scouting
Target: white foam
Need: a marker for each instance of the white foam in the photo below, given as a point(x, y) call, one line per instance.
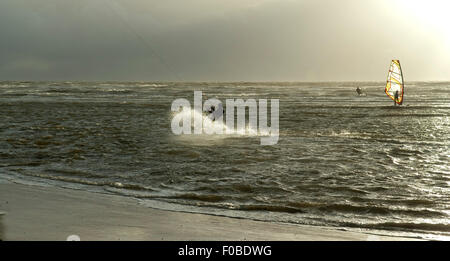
point(217, 127)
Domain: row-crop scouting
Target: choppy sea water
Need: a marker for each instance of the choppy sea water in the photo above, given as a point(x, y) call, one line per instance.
point(341, 160)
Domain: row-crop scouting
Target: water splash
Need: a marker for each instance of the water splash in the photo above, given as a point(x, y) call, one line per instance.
point(217, 127)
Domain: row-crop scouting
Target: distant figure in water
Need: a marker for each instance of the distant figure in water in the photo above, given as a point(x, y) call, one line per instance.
point(395, 98)
point(216, 113)
point(359, 91)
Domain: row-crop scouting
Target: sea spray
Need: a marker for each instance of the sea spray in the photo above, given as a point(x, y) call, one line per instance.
point(182, 120)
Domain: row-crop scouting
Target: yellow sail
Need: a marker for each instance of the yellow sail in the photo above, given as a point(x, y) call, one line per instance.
point(395, 82)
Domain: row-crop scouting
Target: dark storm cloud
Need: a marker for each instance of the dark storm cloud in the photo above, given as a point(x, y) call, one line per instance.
point(211, 40)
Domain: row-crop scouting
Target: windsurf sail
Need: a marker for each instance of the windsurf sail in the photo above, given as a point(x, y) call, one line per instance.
point(395, 82)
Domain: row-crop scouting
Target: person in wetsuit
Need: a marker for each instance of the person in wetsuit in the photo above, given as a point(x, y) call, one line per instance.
point(396, 98)
point(359, 91)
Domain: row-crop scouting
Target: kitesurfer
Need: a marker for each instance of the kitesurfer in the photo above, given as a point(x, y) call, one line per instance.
point(359, 91)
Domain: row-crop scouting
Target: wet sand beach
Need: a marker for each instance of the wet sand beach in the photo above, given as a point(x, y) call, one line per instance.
point(49, 213)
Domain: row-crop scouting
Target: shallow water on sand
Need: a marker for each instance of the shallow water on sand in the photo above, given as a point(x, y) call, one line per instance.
point(341, 160)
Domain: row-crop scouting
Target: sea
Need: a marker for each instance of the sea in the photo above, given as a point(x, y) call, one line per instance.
point(341, 160)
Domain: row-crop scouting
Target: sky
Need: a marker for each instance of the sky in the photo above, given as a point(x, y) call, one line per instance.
point(223, 40)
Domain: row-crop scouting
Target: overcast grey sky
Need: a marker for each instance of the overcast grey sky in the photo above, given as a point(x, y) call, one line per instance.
point(223, 40)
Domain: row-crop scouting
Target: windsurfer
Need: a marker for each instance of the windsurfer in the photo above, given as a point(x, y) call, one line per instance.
point(395, 98)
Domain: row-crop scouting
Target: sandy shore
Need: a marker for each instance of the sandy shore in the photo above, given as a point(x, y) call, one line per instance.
point(48, 213)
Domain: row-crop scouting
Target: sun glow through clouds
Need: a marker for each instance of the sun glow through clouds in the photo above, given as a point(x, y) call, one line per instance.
point(432, 14)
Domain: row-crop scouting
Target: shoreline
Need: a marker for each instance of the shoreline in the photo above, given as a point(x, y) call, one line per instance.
point(54, 214)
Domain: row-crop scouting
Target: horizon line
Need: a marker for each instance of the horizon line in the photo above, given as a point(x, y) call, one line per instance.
point(211, 81)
